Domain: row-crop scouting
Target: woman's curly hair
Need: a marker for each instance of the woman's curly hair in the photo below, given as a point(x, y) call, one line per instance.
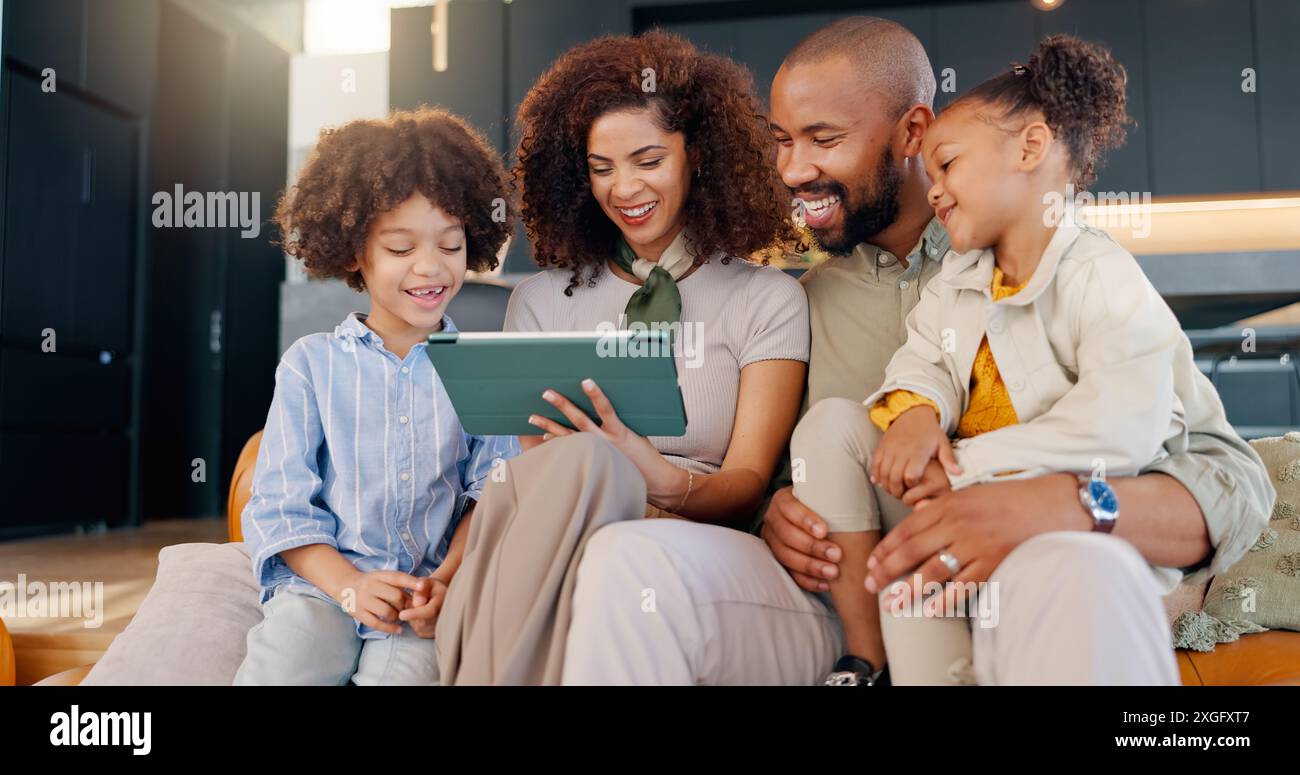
point(1078, 87)
point(365, 168)
point(737, 203)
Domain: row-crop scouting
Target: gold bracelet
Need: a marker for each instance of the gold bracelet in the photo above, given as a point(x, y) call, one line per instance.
point(690, 482)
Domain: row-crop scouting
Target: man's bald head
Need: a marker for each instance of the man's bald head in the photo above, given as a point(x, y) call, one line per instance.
point(887, 56)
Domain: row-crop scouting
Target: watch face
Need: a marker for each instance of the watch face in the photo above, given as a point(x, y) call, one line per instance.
point(1103, 496)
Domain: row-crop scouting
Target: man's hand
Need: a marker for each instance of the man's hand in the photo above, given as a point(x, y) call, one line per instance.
point(426, 604)
point(978, 525)
point(912, 441)
point(797, 537)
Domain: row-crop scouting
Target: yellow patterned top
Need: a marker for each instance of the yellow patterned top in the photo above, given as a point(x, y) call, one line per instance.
point(990, 405)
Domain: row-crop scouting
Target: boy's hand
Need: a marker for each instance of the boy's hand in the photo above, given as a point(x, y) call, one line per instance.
point(426, 604)
point(376, 599)
point(912, 441)
point(934, 482)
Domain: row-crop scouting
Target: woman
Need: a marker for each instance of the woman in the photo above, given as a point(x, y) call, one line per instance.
point(647, 174)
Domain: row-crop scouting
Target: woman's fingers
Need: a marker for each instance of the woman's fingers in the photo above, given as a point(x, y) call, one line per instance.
point(570, 411)
point(604, 409)
point(550, 427)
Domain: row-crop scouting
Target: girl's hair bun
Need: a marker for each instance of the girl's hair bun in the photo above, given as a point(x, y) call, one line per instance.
point(1080, 90)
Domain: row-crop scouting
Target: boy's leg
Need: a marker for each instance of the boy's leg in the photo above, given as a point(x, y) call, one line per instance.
point(398, 660)
point(302, 640)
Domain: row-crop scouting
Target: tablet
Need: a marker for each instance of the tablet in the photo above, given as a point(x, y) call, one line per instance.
point(495, 380)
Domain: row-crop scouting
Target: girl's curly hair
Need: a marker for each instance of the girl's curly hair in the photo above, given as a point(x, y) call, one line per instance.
point(1078, 87)
point(737, 203)
point(365, 168)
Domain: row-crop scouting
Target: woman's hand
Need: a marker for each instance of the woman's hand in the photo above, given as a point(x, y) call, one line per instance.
point(665, 482)
point(912, 441)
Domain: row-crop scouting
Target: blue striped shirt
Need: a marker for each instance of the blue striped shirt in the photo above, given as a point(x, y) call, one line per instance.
point(362, 451)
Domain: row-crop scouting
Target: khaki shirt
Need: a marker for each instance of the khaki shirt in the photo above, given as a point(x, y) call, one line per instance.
point(857, 307)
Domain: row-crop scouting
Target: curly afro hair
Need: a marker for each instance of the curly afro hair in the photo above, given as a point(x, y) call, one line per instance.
point(1078, 87)
point(365, 168)
point(737, 203)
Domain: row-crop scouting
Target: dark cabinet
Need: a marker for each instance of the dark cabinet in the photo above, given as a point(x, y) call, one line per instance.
point(978, 41)
point(1204, 130)
point(1277, 62)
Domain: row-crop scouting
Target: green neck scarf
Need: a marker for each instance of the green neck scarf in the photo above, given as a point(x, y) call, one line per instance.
point(658, 300)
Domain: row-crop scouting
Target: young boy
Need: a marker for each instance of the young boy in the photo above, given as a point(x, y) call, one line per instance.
point(366, 480)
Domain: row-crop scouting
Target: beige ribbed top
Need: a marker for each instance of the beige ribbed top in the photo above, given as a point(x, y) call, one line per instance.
point(733, 314)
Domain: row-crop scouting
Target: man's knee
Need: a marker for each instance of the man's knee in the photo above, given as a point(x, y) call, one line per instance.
point(1091, 561)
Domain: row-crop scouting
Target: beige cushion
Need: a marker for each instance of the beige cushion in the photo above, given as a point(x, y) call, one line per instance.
point(1263, 587)
point(192, 627)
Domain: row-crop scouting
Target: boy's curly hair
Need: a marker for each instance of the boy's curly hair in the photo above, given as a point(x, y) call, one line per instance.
point(737, 203)
point(365, 168)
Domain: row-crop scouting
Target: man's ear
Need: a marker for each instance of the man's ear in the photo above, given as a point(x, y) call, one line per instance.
point(912, 127)
point(1036, 142)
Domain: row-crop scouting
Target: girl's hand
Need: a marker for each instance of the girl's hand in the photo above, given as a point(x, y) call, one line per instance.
point(934, 482)
point(912, 441)
point(426, 604)
point(665, 482)
point(377, 598)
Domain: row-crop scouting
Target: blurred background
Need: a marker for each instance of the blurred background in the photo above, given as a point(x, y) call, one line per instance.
point(136, 360)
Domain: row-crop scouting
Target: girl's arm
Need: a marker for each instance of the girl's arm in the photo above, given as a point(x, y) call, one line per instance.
point(920, 366)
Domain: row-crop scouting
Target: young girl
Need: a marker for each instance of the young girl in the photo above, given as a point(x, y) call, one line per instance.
point(365, 471)
point(1041, 346)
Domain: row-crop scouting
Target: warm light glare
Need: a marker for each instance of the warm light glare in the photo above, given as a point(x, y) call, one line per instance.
point(345, 26)
point(1241, 224)
point(1047, 5)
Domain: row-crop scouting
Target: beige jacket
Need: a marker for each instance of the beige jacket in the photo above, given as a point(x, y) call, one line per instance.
point(1100, 373)
point(1086, 351)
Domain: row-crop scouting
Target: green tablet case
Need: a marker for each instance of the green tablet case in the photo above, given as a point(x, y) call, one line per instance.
point(495, 380)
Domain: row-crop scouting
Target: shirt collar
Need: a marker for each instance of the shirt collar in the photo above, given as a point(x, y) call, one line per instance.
point(933, 245)
point(354, 327)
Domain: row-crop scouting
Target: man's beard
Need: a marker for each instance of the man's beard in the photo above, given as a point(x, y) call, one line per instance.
point(877, 211)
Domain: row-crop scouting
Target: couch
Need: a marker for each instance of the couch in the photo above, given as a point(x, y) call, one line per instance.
point(1266, 658)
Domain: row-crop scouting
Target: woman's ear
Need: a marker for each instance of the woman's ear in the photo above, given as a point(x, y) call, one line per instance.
point(1036, 142)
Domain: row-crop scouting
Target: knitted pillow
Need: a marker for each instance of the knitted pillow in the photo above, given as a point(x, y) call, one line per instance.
point(1262, 590)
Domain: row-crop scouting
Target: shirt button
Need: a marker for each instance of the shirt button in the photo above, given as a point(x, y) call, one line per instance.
point(405, 476)
point(1017, 385)
point(995, 325)
point(404, 371)
point(903, 285)
point(933, 251)
point(403, 419)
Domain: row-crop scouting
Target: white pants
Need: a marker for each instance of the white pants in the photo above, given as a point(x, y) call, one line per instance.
point(675, 602)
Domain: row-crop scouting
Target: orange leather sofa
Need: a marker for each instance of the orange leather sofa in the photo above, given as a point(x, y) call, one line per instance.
point(1263, 658)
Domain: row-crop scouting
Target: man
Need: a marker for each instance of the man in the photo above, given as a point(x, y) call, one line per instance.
point(850, 105)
